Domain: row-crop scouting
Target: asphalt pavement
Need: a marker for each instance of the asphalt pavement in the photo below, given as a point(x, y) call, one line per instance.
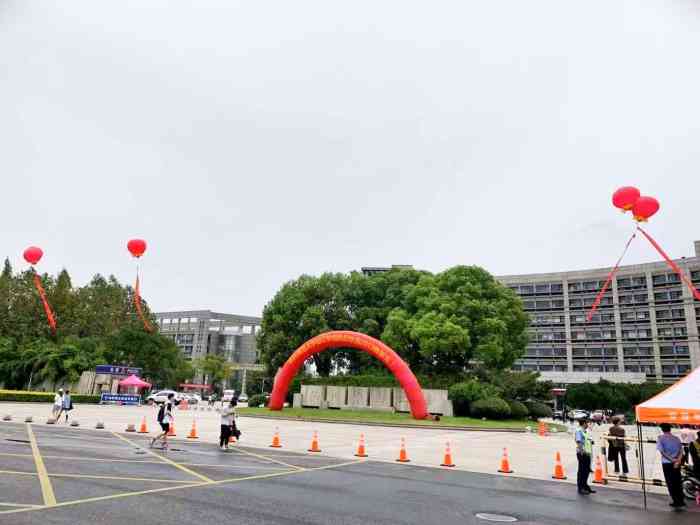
point(59, 475)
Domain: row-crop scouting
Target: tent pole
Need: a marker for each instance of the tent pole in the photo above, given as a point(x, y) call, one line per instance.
point(641, 463)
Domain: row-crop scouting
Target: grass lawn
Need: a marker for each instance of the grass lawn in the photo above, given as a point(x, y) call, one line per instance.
point(371, 416)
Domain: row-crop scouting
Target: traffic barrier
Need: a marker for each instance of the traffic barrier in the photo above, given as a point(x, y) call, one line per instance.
point(598, 473)
point(143, 429)
point(276, 439)
point(314, 443)
point(361, 452)
point(447, 461)
point(505, 463)
point(131, 427)
point(558, 468)
point(171, 430)
point(403, 455)
point(193, 430)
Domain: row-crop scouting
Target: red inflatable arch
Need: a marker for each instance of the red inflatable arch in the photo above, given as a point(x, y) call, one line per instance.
point(358, 341)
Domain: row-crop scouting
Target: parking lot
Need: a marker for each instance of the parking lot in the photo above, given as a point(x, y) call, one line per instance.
point(65, 475)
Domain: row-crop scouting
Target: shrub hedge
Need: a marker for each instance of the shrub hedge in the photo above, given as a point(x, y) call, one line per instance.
point(43, 397)
point(257, 400)
point(538, 409)
point(518, 410)
point(490, 408)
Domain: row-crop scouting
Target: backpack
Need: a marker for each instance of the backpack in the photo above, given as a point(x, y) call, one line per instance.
point(161, 413)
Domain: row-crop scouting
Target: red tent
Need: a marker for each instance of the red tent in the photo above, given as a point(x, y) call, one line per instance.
point(134, 381)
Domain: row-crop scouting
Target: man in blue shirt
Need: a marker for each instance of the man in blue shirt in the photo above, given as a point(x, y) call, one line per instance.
point(671, 450)
point(584, 452)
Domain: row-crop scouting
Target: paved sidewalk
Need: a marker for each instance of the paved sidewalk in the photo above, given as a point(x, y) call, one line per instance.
point(531, 456)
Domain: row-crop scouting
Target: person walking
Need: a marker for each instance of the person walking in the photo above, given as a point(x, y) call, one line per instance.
point(67, 404)
point(165, 418)
point(671, 450)
point(584, 452)
point(617, 449)
point(695, 455)
point(57, 404)
point(228, 415)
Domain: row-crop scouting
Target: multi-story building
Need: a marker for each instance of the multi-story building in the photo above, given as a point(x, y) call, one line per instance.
point(647, 322)
point(646, 327)
point(203, 332)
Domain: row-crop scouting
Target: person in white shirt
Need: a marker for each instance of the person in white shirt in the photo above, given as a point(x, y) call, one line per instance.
point(228, 415)
point(165, 418)
point(57, 403)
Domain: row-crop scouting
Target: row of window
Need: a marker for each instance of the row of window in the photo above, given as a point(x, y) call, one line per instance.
point(631, 283)
point(538, 289)
point(545, 352)
point(677, 369)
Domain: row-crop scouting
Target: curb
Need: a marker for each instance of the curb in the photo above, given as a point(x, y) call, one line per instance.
point(390, 425)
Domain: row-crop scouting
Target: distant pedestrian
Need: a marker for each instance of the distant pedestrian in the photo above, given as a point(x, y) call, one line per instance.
point(165, 419)
point(57, 404)
point(584, 453)
point(228, 421)
point(617, 447)
point(67, 405)
point(671, 450)
point(687, 437)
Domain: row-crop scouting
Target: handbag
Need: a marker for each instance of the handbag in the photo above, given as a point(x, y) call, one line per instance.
point(234, 431)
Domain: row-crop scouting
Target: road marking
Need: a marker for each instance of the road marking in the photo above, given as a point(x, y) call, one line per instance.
point(166, 460)
point(106, 460)
point(44, 481)
point(242, 467)
point(192, 485)
point(21, 473)
point(17, 455)
point(90, 476)
point(21, 505)
point(260, 456)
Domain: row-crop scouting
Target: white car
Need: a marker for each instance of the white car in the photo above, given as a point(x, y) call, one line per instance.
point(228, 396)
point(243, 398)
point(162, 396)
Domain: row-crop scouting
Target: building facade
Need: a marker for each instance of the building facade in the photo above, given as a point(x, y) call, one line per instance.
point(647, 322)
point(202, 332)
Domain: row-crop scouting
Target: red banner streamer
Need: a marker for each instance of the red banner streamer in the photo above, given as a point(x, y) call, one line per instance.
point(611, 275)
point(47, 308)
point(137, 304)
point(672, 264)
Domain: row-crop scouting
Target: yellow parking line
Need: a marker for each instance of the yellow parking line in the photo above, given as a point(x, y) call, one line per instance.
point(17, 455)
point(46, 488)
point(21, 473)
point(166, 460)
point(192, 485)
point(106, 460)
point(260, 456)
point(21, 505)
point(90, 476)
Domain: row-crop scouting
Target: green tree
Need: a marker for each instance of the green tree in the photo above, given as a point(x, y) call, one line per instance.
point(215, 368)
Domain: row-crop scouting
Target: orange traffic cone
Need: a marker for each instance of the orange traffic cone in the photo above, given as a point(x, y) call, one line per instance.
point(505, 464)
point(447, 462)
point(558, 468)
point(314, 443)
point(403, 456)
point(598, 473)
point(171, 430)
point(144, 428)
point(276, 439)
point(542, 430)
point(361, 448)
point(193, 431)
point(231, 439)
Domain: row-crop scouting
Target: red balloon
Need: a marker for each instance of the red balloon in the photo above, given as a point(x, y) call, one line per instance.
point(33, 254)
point(137, 247)
point(644, 208)
point(625, 198)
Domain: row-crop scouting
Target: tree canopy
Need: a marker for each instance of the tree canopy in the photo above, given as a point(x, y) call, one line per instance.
point(443, 323)
point(97, 324)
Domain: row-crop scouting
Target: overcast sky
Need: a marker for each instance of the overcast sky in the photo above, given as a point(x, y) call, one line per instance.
point(251, 142)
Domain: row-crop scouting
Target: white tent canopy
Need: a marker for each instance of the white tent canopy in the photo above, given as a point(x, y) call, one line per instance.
point(679, 404)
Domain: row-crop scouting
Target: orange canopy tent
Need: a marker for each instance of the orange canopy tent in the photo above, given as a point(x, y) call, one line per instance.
point(679, 404)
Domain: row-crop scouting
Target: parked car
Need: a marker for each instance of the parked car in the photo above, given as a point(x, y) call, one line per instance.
point(243, 398)
point(598, 416)
point(162, 396)
point(578, 414)
point(228, 395)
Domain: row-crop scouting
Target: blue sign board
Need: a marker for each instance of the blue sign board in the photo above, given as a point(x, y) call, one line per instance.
point(118, 370)
point(124, 399)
